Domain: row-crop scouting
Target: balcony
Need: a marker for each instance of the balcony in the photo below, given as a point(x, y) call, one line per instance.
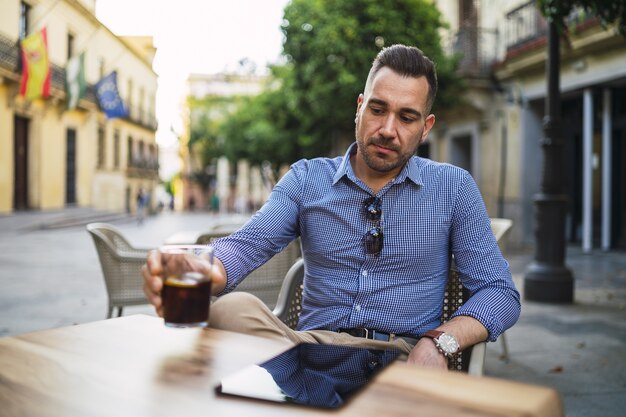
point(10, 70)
point(526, 28)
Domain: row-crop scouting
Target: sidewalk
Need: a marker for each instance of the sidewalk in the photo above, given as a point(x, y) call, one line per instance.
point(51, 277)
point(578, 349)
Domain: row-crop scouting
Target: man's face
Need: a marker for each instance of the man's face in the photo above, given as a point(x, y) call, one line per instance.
point(391, 121)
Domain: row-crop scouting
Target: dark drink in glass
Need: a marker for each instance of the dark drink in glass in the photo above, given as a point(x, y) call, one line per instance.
point(186, 300)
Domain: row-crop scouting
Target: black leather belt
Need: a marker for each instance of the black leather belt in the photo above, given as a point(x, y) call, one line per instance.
point(378, 335)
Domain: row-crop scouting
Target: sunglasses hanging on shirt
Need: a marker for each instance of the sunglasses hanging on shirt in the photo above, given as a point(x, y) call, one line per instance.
point(373, 239)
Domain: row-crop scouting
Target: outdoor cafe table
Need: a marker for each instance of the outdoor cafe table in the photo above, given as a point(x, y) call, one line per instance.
point(135, 366)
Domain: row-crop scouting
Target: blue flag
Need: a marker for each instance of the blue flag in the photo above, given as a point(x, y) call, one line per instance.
point(109, 97)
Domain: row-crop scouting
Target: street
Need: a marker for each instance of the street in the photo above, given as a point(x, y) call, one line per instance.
point(50, 272)
point(51, 277)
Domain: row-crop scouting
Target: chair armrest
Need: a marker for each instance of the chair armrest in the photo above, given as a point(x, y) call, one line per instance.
point(477, 360)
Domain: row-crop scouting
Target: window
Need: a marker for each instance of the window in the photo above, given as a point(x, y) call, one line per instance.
point(24, 19)
point(101, 147)
point(130, 151)
point(141, 102)
point(141, 157)
point(129, 97)
point(70, 45)
point(116, 149)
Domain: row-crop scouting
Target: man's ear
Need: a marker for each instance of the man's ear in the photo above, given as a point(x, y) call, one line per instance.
point(428, 124)
point(359, 103)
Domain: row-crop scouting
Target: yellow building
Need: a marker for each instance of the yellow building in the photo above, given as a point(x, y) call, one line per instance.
point(51, 157)
point(497, 133)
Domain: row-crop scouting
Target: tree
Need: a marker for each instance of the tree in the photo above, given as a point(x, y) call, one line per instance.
point(329, 47)
point(206, 139)
point(609, 11)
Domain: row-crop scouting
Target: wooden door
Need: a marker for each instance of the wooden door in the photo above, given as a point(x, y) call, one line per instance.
point(20, 163)
point(70, 168)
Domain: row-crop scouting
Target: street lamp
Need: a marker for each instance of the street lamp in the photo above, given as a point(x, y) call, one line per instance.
point(547, 278)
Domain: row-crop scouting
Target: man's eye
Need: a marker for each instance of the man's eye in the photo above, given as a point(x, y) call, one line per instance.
point(407, 119)
point(376, 110)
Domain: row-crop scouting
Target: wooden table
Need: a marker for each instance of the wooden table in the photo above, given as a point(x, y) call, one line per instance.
point(135, 366)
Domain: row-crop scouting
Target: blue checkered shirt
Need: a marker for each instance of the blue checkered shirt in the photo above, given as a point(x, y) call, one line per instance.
point(429, 211)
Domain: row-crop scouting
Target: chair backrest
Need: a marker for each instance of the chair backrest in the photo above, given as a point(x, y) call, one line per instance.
point(264, 282)
point(121, 265)
point(114, 236)
point(289, 304)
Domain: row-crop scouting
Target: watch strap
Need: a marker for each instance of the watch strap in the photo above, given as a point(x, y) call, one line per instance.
point(433, 334)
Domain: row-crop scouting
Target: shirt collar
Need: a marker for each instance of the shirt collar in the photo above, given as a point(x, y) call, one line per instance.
point(412, 169)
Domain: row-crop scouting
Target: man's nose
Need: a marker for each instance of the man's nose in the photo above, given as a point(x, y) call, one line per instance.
point(388, 127)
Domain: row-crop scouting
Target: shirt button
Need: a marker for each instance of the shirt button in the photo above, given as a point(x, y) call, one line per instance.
point(364, 273)
point(357, 307)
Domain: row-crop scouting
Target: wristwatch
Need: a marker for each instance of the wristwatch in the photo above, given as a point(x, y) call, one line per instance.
point(445, 342)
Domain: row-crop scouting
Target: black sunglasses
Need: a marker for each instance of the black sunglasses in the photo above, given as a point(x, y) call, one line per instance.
point(373, 239)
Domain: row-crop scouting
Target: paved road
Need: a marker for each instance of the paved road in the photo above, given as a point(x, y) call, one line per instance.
point(50, 277)
point(50, 271)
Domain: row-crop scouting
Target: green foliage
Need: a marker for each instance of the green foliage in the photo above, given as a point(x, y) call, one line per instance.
point(206, 117)
point(609, 11)
point(329, 47)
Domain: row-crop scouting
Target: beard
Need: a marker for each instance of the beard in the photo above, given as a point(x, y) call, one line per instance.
point(385, 163)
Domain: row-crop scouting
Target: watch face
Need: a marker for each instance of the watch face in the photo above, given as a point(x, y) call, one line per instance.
point(448, 343)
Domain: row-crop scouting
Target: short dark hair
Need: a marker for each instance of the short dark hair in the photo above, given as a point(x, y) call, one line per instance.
point(407, 61)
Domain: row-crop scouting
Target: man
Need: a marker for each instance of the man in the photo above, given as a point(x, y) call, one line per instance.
point(377, 228)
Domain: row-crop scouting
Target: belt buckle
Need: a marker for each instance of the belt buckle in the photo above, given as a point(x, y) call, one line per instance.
point(367, 333)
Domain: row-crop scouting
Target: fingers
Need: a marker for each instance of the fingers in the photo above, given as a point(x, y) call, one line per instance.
point(425, 354)
point(218, 277)
point(152, 271)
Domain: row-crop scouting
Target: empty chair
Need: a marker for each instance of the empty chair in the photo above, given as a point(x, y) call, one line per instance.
point(289, 307)
point(265, 281)
point(121, 267)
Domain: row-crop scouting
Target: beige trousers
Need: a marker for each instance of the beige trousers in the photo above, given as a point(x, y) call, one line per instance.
point(242, 312)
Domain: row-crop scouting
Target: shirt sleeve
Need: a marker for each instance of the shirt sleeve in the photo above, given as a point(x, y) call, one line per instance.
point(267, 233)
point(494, 300)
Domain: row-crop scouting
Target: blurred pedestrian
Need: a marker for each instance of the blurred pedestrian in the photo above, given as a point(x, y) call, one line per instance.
point(142, 201)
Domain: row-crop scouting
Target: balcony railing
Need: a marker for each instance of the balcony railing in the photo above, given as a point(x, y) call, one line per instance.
point(526, 26)
point(9, 53)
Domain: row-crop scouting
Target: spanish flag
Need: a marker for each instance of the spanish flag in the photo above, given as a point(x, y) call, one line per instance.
point(35, 66)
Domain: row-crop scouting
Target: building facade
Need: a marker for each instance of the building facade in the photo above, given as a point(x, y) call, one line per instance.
point(52, 157)
point(497, 133)
point(234, 186)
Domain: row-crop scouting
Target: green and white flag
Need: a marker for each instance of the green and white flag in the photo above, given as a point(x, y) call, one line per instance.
point(75, 80)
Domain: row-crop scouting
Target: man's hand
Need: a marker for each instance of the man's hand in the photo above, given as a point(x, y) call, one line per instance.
point(426, 354)
point(157, 265)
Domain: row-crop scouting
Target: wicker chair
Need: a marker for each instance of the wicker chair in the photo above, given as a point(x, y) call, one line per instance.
point(289, 307)
point(121, 267)
point(264, 282)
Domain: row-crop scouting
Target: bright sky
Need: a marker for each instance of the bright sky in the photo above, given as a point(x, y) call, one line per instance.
point(196, 36)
